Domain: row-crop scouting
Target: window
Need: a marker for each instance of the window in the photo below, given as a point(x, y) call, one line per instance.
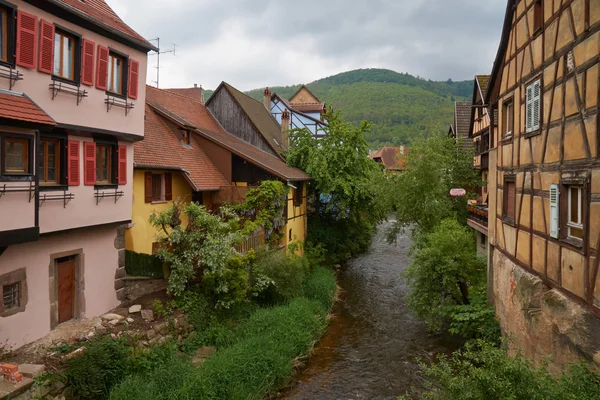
point(534, 92)
point(116, 68)
point(50, 161)
point(508, 117)
point(104, 163)
point(16, 156)
point(158, 192)
point(299, 194)
point(3, 35)
point(185, 137)
point(538, 16)
point(64, 55)
point(11, 296)
point(575, 220)
point(510, 199)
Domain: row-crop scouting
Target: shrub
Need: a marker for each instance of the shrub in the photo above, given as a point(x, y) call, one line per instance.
point(286, 273)
point(484, 371)
point(476, 320)
point(138, 264)
point(321, 286)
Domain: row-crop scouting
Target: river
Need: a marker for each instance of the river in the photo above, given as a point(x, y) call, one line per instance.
point(374, 341)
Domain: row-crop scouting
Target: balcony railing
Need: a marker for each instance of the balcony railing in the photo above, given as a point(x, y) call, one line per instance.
point(478, 213)
point(252, 242)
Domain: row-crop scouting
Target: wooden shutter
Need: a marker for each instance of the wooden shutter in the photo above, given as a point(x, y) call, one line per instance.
point(73, 163)
point(168, 186)
point(148, 187)
point(89, 163)
point(536, 106)
point(134, 73)
point(122, 171)
point(102, 68)
point(26, 39)
point(87, 62)
point(510, 199)
point(46, 53)
point(554, 210)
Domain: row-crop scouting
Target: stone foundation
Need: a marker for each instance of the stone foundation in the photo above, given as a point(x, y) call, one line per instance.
point(541, 322)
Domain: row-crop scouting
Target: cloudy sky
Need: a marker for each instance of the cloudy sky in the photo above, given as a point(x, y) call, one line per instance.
point(257, 43)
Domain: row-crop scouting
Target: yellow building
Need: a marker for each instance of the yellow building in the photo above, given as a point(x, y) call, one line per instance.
point(188, 156)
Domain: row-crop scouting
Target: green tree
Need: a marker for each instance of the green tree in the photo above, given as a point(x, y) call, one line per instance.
point(443, 268)
point(433, 167)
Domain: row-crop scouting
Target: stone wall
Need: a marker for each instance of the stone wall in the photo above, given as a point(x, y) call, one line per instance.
point(541, 322)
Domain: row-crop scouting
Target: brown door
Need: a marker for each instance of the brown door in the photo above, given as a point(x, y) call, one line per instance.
point(66, 290)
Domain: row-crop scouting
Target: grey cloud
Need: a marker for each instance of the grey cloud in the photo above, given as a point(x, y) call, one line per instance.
point(255, 43)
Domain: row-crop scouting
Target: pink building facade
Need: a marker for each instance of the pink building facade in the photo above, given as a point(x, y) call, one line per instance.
point(72, 95)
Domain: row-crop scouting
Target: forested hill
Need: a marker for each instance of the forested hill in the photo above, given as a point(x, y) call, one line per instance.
point(401, 106)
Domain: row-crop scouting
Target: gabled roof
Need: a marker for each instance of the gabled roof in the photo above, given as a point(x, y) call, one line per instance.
point(161, 148)
point(18, 107)
point(482, 81)
point(294, 109)
point(479, 94)
point(462, 119)
point(310, 103)
point(195, 92)
point(494, 83)
point(393, 158)
point(259, 116)
point(99, 12)
point(196, 116)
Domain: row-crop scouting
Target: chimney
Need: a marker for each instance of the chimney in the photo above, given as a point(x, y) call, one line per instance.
point(201, 94)
point(267, 99)
point(195, 85)
point(285, 126)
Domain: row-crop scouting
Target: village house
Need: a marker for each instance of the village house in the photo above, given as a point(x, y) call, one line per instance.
point(459, 130)
point(187, 155)
point(393, 159)
point(479, 134)
point(302, 111)
point(72, 78)
point(544, 179)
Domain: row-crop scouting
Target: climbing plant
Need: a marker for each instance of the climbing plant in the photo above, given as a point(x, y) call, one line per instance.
point(264, 208)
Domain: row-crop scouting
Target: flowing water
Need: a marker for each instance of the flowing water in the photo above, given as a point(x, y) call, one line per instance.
point(373, 343)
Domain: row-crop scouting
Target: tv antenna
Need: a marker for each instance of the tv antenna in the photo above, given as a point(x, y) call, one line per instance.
point(158, 53)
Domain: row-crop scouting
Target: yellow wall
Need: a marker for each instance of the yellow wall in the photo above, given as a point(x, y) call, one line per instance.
point(297, 221)
point(140, 237)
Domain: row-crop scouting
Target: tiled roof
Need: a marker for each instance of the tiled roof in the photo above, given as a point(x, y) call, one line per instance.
point(260, 117)
point(102, 13)
point(18, 107)
point(462, 118)
point(188, 112)
point(308, 107)
point(193, 92)
point(483, 81)
point(162, 149)
point(393, 158)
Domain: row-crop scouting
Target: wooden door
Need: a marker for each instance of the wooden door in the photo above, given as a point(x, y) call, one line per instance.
point(66, 290)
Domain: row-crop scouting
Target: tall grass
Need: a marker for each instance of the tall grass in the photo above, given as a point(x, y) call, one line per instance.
point(258, 362)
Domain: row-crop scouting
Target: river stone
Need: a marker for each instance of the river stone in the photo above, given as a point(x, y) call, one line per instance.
point(112, 316)
point(135, 309)
point(31, 370)
point(114, 322)
point(150, 334)
point(148, 315)
point(130, 320)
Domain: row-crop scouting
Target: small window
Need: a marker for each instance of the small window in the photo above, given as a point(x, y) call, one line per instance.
point(158, 192)
point(510, 199)
point(508, 118)
point(104, 164)
point(575, 220)
point(116, 69)
point(11, 296)
point(64, 55)
point(50, 161)
point(299, 195)
point(185, 137)
point(16, 156)
point(538, 16)
point(534, 92)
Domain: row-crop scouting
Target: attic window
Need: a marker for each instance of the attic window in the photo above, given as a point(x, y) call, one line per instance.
point(538, 16)
point(185, 137)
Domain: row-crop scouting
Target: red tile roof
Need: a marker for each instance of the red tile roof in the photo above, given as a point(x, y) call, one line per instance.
point(393, 158)
point(194, 93)
point(19, 107)
point(188, 112)
point(162, 149)
point(101, 12)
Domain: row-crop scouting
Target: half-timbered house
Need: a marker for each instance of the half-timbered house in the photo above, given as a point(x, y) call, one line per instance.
point(544, 178)
point(302, 111)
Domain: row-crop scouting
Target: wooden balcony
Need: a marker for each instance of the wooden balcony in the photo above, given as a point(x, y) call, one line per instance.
point(478, 217)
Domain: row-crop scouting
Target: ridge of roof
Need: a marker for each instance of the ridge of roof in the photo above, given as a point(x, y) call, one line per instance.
point(499, 60)
point(303, 86)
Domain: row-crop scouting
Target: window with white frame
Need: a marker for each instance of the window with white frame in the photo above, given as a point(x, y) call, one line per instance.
point(533, 106)
point(575, 212)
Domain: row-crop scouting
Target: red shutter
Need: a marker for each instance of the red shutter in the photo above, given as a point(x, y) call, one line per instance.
point(73, 163)
point(102, 68)
point(26, 39)
point(87, 62)
point(122, 165)
point(89, 163)
point(168, 186)
point(46, 54)
point(134, 81)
